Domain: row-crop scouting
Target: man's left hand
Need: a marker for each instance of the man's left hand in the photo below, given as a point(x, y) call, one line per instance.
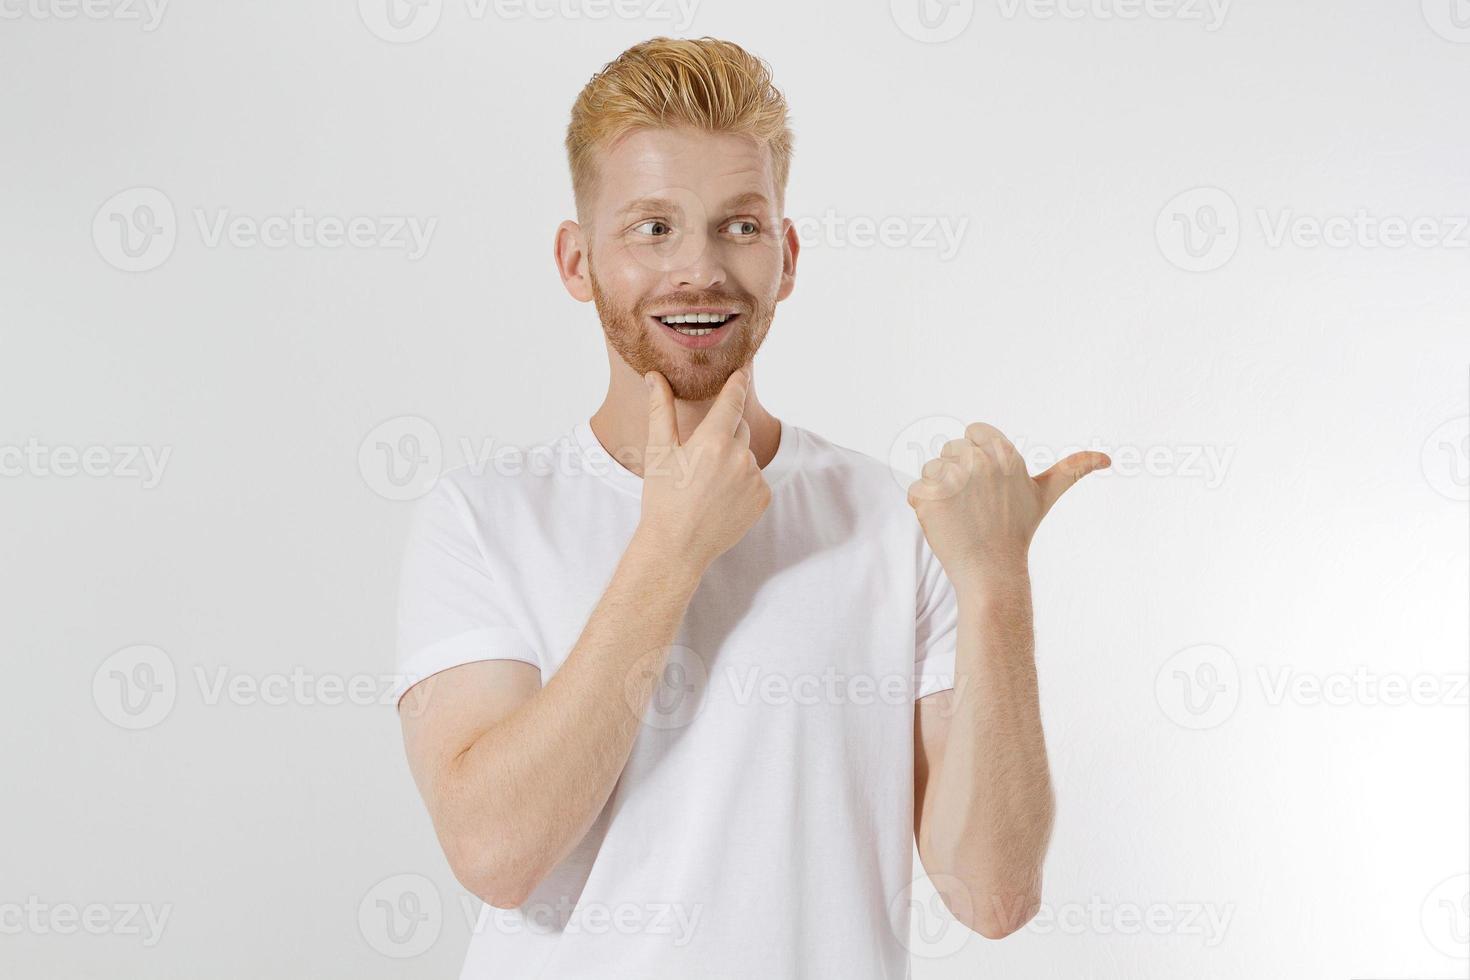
point(979, 508)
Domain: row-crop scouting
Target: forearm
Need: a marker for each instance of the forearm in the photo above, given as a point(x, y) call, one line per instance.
point(523, 794)
point(992, 798)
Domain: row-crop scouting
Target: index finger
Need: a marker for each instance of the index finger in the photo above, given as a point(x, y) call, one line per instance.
point(729, 407)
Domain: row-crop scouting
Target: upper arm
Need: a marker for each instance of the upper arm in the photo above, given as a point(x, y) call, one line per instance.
point(936, 633)
point(444, 714)
point(462, 662)
point(931, 731)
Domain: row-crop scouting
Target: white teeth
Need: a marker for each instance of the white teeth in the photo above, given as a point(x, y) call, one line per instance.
point(695, 331)
point(695, 318)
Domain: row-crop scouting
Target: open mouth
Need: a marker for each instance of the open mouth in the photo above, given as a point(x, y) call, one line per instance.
point(697, 329)
point(696, 324)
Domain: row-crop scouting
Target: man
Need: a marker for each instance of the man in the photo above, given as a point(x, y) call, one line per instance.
point(679, 706)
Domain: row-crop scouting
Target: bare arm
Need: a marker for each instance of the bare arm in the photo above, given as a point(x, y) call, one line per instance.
point(514, 775)
point(984, 807)
point(983, 797)
point(513, 786)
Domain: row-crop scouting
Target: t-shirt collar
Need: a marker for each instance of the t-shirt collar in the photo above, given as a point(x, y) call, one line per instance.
point(603, 464)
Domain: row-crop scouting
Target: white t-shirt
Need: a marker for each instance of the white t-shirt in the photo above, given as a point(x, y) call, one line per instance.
point(763, 825)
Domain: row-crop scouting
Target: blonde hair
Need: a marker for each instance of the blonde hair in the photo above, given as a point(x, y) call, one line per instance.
point(713, 85)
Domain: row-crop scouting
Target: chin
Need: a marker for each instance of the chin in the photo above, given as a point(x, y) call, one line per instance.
point(698, 385)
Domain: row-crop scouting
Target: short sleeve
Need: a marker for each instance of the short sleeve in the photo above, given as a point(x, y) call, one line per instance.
point(450, 610)
point(936, 626)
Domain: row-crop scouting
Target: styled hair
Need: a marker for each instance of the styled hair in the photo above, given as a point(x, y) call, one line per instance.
point(713, 85)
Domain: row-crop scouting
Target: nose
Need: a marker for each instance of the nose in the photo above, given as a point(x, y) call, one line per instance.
point(703, 270)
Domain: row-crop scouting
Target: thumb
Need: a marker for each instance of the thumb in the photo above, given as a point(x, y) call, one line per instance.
point(663, 430)
point(1055, 481)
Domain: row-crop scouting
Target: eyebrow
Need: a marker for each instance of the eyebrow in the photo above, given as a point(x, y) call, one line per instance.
point(736, 203)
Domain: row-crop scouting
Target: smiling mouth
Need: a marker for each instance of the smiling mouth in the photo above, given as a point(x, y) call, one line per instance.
point(697, 324)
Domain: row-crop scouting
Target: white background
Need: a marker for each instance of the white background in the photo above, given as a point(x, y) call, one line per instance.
point(1325, 545)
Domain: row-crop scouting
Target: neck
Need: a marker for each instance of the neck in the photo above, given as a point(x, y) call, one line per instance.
point(621, 421)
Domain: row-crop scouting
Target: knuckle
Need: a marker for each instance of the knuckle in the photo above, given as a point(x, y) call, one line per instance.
point(978, 432)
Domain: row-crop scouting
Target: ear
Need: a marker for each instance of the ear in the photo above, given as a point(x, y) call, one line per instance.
point(571, 260)
point(790, 248)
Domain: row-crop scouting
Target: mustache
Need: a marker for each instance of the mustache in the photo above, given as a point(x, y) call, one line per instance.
point(741, 303)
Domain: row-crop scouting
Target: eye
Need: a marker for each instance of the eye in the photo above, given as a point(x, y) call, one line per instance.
point(656, 223)
point(744, 228)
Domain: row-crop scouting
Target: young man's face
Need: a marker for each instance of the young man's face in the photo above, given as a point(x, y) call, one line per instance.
point(686, 222)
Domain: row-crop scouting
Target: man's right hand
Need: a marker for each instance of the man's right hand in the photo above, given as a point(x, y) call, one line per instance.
point(515, 771)
point(699, 498)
